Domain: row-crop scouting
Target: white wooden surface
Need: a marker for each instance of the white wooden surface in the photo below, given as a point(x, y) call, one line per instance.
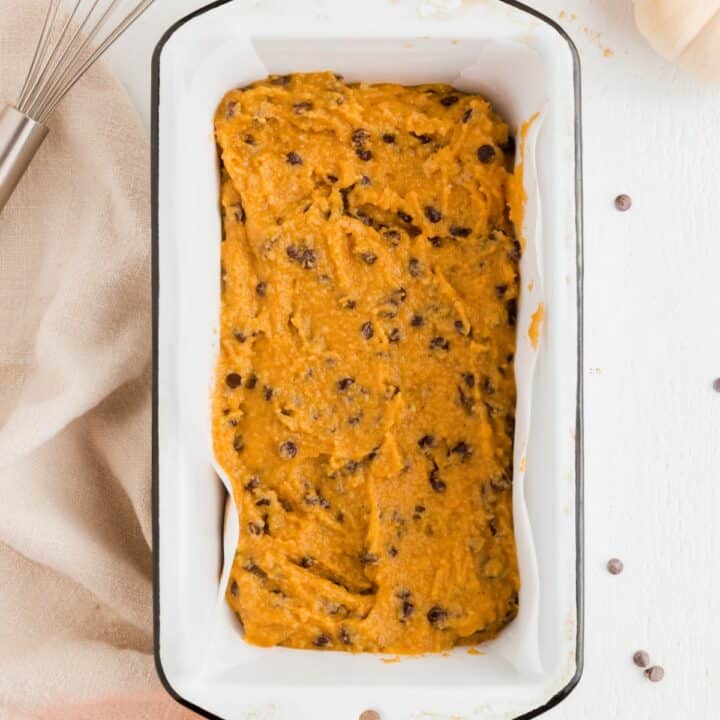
point(652, 352)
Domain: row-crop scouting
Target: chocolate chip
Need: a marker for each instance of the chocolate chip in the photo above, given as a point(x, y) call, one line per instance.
point(414, 267)
point(251, 382)
point(360, 136)
point(369, 258)
point(469, 379)
point(465, 402)
point(364, 154)
point(301, 107)
point(239, 213)
point(457, 231)
point(433, 214)
point(467, 115)
point(350, 304)
point(253, 483)
point(655, 673)
point(367, 558)
point(516, 252)
point(486, 154)
point(512, 310)
point(268, 393)
point(345, 383)
point(392, 551)
point(234, 589)
point(488, 387)
point(322, 640)
point(508, 147)
point(394, 336)
point(256, 528)
point(288, 450)
point(365, 180)
point(388, 138)
point(233, 380)
point(436, 241)
point(345, 638)
point(302, 255)
point(641, 659)
point(404, 216)
point(230, 110)
point(398, 296)
point(460, 326)
point(280, 80)
point(449, 101)
point(623, 202)
point(367, 330)
point(439, 343)
point(413, 230)
point(392, 236)
point(501, 481)
point(293, 158)
point(238, 443)
point(262, 502)
point(436, 483)
point(424, 138)
point(306, 562)
point(407, 609)
point(331, 178)
point(240, 336)
point(437, 615)
point(261, 289)
point(500, 291)
point(426, 441)
point(417, 320)
point(354, 420)
point(615, 566)
point(462, 449)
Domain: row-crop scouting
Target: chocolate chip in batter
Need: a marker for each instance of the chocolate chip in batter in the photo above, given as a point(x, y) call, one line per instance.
point(414, 267)
point(368, 558)
point(331, 178)
point(239, 212)
point(449, 101)
point(307, 562)
point(500, 291)
point(439, 343)
point(398, 296)
point(460, 326)
point(433, 214)
point(436, 483)
point(437, 615)
point(458, 231)
point(238, 443)
point(419, 510)
point(465, 402)
point(350, 304)
point(233, 380)
point(369, 257)
point(256, 528)
point(512, 310)
point(426, 441)
point(501, 481)
point(360, 136)
point(417, 320)
point(302, 255)
point(293, 158)
point(322, 640)
point(234, 589)
point(462, 449)
point(393, 237)
point(281, 80)
point(364, 154)
point(268, 393)
point(487, 386)
point(345, 636)
point(486, 154)
point(394, 335)
point(404, 216)
point(249, 139)
point(288, 450)
point(365, 180)
point(240, 336)
point(469, 379)
point(261, 289)
point(423, 138)
point(253, 483)
point(392, 551)
point(467, 115)
point(515, 253)
point(354, 420)
point(345, 383)
point(230, 110)
point(262, 502)
point(436, 241)
point(508, 147)
point(367, 330)
point(302, 107)
point(388, 138)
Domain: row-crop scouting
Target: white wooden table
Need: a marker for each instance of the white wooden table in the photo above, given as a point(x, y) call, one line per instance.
point(652, 352)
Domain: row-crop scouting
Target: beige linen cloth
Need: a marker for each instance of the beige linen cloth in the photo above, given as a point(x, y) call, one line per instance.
point(75, 352)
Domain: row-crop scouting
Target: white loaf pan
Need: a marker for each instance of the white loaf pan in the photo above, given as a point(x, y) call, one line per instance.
point(520, 59)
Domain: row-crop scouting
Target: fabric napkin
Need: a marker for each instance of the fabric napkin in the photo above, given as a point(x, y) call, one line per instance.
point(75, 353)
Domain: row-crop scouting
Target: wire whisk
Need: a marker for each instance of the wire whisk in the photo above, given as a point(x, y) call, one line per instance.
point(68, 46)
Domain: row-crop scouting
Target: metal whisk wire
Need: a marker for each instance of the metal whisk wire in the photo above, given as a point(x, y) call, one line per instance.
point(66, 50)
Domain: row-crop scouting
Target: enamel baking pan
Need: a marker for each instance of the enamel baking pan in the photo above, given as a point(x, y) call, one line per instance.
point(515, 52)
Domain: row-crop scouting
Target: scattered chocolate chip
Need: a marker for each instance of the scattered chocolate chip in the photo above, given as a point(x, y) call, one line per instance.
point(486, 154)
point(508, 147)
point(392, 551)
point(417, 320)
point(354, 420)
point(426, 441)
point(239, 212)
point(460, 326)
point(424, 138)
point(512, 309)
point(433, 214)
point(407, 609)
point(364, 154)
point(230, 110)
point(340, 517)
point(331, 178)
point(436, 615)
point(404, 216)
point(462, 449)
point(398, 296)
point(414, 267)
point(302, 255)
point(516, 252)
point(439, 343)
point(388, 138)
point(360, 136)
point(469, 379)
point(467, 115)
point(488, 387)
point(350, 304)
point(449, 101)
point(436, 241)
point(322, 640)
point(234, 589)
point(413, 230)
point(501, 481)
point(623, 203)
point(293, 158)
point(457, 231)
point(500, 291)
point(233, 380)
point(392, 236)
point(253, 483)
point(436, 483)
point(240, 336)
point(307, 562)
point(367, 330)
point(345, 640)
point(367, 558)
point(261, 289)
point(655, 673)
point(256, 528)
point(345, 383)
point(268, 393)
point(365, 180)
point(615, 566)
point(249, 139)
point(302, 107)
point(394, 336)
point(280, 79)
point(369, 258)
point(641, 659)
point(288, 450)
point(262, 502)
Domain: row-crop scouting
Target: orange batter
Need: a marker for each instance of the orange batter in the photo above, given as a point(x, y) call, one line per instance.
point(365, 397)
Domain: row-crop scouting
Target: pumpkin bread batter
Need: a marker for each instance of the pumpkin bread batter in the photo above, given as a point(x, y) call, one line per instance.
point(364, 406)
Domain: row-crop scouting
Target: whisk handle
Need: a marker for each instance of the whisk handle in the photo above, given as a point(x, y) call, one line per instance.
point(20, 139)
